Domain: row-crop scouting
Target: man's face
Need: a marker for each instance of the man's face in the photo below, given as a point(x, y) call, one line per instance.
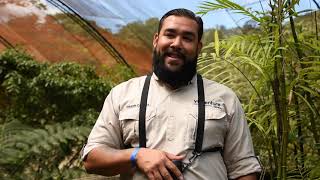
point(177, 42)
point(176, 50)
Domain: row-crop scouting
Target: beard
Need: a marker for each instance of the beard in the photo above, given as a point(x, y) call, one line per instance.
point(178, 78)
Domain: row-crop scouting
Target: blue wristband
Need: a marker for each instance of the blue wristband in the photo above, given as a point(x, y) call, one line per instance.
point(133, 157)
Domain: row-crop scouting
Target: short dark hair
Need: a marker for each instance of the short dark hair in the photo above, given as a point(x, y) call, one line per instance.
point(184, 13)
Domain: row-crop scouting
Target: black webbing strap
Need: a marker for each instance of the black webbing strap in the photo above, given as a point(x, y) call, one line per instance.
point(142, 112)
point(201, 115)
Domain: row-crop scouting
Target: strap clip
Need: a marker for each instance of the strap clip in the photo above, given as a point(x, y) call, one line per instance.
point(191, 160)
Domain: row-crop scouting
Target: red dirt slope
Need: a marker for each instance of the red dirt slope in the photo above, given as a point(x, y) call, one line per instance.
point(50, 41)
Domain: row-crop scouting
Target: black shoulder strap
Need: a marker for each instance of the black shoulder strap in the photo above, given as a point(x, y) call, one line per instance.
point(142, 112)
point(201, 115)
point(200, 126)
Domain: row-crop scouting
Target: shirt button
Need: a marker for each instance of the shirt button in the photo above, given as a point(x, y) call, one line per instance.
point(170, 129)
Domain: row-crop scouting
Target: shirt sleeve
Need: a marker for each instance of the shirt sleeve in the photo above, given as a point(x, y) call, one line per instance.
point(239, 154)
point(106, 131)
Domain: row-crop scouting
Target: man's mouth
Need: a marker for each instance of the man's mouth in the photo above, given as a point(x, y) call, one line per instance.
point(175, 55)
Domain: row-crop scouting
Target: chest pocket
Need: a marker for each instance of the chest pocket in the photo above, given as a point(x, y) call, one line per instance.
point(129, 123)
point(214, 131)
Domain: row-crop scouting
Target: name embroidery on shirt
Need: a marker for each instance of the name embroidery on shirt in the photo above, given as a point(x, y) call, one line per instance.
point(218, 105)
point(134, 105)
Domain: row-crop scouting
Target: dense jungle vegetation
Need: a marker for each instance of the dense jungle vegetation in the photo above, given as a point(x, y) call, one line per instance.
point(272, 62)
point(47, 112)
point(274, 67)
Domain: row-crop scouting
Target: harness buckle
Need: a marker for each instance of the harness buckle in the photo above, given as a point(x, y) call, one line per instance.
point(194, 156)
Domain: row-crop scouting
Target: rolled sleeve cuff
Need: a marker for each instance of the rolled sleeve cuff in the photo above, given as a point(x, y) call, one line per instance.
point(86, 149)
point(243, 167)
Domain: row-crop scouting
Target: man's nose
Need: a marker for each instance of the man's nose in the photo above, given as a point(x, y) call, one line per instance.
point(176, 43)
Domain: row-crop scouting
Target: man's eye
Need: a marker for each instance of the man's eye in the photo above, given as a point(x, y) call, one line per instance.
point(187, 38)
point(169, 35)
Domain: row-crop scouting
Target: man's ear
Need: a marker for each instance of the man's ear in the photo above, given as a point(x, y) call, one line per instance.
point(155, 40)
point(199, 47)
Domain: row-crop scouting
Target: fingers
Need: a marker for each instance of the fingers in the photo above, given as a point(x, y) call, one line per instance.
point(159, 172)
point(150, 176)
point(157, 175)
point(158, 165)
point(165, 173)
point(175, 157)
point(173, 169)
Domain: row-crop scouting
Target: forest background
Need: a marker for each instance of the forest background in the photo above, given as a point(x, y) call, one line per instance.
point(272, 62)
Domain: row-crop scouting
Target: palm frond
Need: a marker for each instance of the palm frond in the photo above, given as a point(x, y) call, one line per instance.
point(207, 6)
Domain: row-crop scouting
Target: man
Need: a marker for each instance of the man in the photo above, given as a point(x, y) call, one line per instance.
point(171, 109)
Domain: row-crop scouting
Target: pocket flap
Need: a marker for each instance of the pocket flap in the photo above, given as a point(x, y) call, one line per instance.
point(212, 113)
point(215, 113)
point(133, 113)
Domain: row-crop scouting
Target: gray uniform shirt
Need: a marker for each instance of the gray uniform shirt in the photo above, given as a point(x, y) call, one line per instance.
point(171, 123)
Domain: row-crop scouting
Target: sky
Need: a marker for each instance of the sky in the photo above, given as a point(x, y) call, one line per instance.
point(121, 12)
point(222, 17)
point(113, 14)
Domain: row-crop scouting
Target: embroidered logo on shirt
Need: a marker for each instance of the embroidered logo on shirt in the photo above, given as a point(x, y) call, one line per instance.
point(134, 105)
point(214, 104)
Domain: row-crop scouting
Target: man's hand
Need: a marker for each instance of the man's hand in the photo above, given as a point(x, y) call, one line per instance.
point(157, 164)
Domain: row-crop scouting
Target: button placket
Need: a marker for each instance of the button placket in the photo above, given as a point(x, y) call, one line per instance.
point(170, 129)
point(170, 121)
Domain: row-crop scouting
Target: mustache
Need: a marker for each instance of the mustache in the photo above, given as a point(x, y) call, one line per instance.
point(174, 78)
point(171, 51)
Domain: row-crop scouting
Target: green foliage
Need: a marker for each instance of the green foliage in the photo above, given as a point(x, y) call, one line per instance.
point(118, 73)
point(74, 28)
point(276, 75)
point(56, 91)
point(139, 33)
point(207, 6)
point(47, 111)
point(53, 146)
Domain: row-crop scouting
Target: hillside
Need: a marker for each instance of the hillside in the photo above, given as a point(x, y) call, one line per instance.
point(52, 41)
